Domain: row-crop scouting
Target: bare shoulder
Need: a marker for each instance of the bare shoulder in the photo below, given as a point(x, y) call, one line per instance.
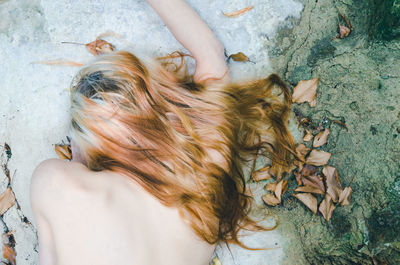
point(50, 181)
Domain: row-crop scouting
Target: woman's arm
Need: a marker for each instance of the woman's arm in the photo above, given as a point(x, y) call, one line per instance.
point(194, 34)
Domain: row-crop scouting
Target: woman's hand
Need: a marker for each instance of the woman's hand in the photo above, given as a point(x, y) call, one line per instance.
point(194, 34)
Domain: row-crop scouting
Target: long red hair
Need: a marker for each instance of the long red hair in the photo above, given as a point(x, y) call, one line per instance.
point(184, 143)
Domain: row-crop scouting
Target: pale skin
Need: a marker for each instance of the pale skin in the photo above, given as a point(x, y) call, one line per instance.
point(86, 217)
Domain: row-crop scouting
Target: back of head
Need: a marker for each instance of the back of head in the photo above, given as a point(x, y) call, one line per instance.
point(149, 123)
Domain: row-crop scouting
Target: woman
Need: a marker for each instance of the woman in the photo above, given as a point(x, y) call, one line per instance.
point(156, 174)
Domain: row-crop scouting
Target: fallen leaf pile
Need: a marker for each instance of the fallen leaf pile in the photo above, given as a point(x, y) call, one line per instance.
point(318, 185)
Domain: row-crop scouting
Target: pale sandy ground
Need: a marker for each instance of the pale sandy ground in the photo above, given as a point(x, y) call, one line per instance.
point(34, 99)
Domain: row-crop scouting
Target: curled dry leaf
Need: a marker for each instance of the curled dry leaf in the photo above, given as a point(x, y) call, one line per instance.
point(271, 186)
point(270, 199)
point(239, 57)
point(99, 46)
point(302, 151)
point(318, 158)
point(305, 91)
point(333, 185)
point(343, 31)
point(59, 63)
point(280, 188)
point(326, 207)
point(261, 174)
point(345, 196)
point(63, 151)
point(216, 261)
point(309, 200)
point(7, 200)
point(309, 189)
point(321, 138)
point(239, 12)
point(308, 137)
point(9, 254)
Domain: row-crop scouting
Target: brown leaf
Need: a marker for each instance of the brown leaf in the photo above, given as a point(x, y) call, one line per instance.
point(261, 174)
point(63, 151)
point(239, 12)
point(60, 63)
point(333, 185)
point(308, 137)
point(280, 189)
point(318, 158)
point(9, 254)
point(7, 200)
point(309, 189)
point(345, 196)
point(271, 186)
point(314, 181)
point(270, 199)
point(326, 207)
point(343, 31)
point(301, 151)
point(298, 177)
point(305, 91)
point(321, 138)
point(99, 46)
point(239, 57)
point(309, 200)
point(308, 170)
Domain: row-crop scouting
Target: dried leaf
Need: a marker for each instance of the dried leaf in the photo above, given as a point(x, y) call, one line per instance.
point(261, 174)
point(305, 91)
point(99, 46)
point(309, 189)
point(347, 21)
point(326, 207)
point(216, 261)
point(301, 151)
point(308, 137)
point(333, 185)
point(345, 196)
point(318, 158)
point(9, 254)
point(308, 170)
point(309, 200)
point(298, 178)
point(280, 189)
point(239, 57)
point(343, 31)
point(239, 12)
point(63, 151)
point(7, 200)
point(341, 124)
point(314, 181)
point(321, 138)
point(271, 186)
point(270, 199)
point(60, 63)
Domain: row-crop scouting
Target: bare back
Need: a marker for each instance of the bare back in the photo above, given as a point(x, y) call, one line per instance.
point(107, 218)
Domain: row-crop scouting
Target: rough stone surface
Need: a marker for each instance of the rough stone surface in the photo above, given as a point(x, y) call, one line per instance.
point(359, 85)
point(34, 98)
